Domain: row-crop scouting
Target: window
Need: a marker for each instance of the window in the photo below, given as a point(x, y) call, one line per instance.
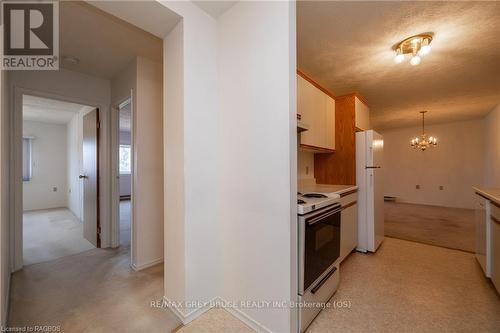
point(125, 161)
point(27, 159)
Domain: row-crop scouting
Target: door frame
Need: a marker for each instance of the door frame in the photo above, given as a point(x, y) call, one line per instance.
point(16, 188)
point(115, 171)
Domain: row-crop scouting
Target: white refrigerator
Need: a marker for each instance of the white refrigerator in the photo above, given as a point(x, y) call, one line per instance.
point(369, 158)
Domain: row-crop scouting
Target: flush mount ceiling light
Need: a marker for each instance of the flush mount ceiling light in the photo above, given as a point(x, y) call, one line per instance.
point(423, 141)
point(417, 46)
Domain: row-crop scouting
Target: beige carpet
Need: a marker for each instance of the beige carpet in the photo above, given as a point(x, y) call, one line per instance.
point(125, 222)
point(442, 226)
point(51, 234)
point(92, 292)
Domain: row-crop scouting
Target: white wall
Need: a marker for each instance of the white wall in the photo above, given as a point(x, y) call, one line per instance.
point(173, 173)
point(305, 165)
point(125, 178)
point(192, 237)
point(67, 86)
point(49, 163)
point(457, 163)
point(74, 159)
point(256, 61)
point(492, 151)
point(147, 176)
point(5, 267)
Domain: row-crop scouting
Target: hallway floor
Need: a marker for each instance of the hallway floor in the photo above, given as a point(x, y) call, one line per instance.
point(51, 234)
point(92, 292)
point(125, 222)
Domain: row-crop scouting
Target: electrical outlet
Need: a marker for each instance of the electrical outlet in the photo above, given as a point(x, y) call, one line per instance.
point(54, 189)
point(417, 187)
point(441, 187)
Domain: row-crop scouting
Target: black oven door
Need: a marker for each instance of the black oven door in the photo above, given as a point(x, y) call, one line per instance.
point(320, 233)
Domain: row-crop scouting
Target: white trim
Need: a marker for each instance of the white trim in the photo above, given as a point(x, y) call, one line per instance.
point(146, 265)
point(237, 313)
point(192, 315)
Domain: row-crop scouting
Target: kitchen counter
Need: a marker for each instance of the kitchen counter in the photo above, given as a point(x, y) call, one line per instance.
point(492, 194)
point(324, 188)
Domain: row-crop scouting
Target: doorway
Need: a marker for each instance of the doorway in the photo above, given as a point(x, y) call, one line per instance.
point(59, 172)
point(125, 171)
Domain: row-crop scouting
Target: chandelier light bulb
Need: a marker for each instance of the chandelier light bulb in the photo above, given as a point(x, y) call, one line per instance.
point(399, 57)
point(415, 60)
point(425, 49)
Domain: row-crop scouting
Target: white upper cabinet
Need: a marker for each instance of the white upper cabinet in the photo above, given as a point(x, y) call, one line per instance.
point(362, 115)
point(317, 110)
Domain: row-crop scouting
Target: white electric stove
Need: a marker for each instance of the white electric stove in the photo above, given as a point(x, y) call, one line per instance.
point(309, 202)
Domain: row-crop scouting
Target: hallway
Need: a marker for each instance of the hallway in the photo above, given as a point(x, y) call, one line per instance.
point(95, 291)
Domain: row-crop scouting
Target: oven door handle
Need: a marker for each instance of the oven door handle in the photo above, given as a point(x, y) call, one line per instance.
point(322, 216)
point(323, 280)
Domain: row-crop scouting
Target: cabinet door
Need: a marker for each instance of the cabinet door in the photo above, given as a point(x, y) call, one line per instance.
point(480, 217)
point(330, 123)
point(348, 231)
point(305, 107)
point(362, 115)
point(317, 110)
point(495, 247)
point(319, 119)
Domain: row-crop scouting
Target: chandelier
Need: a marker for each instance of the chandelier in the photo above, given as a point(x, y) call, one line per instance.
point(418, 46)
point(423, 141)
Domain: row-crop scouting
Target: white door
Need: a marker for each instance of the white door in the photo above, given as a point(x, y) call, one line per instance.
point(90, 177)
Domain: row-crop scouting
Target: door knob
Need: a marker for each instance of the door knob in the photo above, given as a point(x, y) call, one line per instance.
point(83, 177)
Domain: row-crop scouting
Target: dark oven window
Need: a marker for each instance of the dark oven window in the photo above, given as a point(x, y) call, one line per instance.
point(322, 247)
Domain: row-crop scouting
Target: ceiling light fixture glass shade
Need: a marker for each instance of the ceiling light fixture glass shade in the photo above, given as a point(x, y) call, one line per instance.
point(423, 141)
point(418, 46)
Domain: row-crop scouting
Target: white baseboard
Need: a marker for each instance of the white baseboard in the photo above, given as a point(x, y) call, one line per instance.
point(240, 315)
point(146, 265)
point(186, 318)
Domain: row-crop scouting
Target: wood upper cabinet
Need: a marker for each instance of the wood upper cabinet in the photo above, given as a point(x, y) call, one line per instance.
point(317, 110)
point(362, 114)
